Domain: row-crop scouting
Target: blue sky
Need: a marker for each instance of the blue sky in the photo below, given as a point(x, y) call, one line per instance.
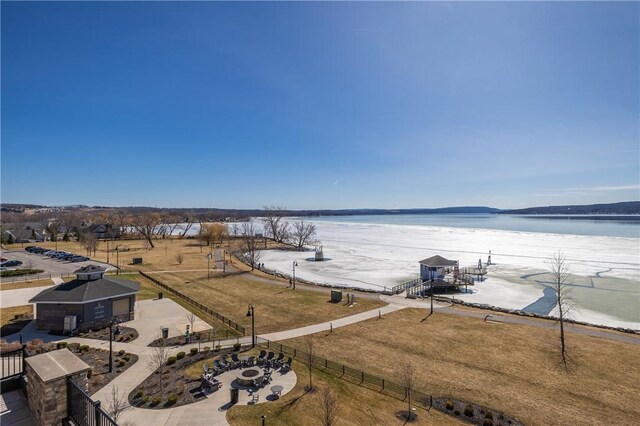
point(320, 105)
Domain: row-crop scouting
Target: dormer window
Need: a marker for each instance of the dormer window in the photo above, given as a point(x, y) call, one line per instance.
point(90, 273)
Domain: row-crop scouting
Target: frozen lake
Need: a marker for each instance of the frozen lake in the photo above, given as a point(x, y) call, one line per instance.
point(375, 255)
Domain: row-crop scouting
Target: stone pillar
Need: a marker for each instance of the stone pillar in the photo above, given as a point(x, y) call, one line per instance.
point(47, 384)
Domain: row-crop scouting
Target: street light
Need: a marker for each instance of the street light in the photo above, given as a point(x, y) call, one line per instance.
point(295, 263)
point(117, 261)
point(251, 313)
point(111, 345)
point(107, 250)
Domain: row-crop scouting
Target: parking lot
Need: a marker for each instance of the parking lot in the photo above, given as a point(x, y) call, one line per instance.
point(50, 266)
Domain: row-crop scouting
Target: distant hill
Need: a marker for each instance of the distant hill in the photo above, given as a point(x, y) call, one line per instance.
point(627, 207)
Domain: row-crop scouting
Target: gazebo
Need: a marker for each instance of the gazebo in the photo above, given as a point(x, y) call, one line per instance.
point(436, 267)
point(91, 300)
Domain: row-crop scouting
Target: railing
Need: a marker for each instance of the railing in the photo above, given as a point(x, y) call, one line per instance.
point(198, 305)
point(404, 286)
point(82, 410)
point(25, 278)
point(385, 386)
point(13, 363)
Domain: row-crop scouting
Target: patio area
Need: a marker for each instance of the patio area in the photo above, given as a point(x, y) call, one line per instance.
point(247, 381)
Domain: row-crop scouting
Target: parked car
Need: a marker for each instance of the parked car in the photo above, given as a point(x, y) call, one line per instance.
point(38, 250)
point(3, 259)
point(11, 263)
point(78, 259)
point(29, 248)
point(68, 256)
point(61, 254)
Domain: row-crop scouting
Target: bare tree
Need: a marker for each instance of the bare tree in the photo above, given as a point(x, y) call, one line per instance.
point(116, 403)
point(171, 222)
point(330, 407)
point(147, 225)
point(408, 381)
point(191, 317)
point(302, 234)
point(250, 250)
point(308, 360)
point(53, 228)
point(561, 284)
point(179, 258)
point(274, 225)
point(89, 242)
point(158, 358)
point(207, 233)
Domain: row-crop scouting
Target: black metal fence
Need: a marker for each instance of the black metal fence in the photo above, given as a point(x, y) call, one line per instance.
point(232, 324)
point(12, 363)
point(82, 410)
point(388, 387)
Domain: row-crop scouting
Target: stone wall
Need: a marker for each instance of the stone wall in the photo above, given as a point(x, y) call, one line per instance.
point(47, 398)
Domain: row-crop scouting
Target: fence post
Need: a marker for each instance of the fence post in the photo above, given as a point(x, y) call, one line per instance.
point(96, 408)
point(343, 369)
point(383, 384)
point(362, 377)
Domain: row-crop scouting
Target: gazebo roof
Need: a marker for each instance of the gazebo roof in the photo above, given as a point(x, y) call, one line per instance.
point(83, 291)
point(90, 269)
point(438, 261)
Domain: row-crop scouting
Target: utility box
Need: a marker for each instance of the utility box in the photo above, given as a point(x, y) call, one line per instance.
point(165, 333)
point(336, 296)
point(136, 261)
point(70, 323)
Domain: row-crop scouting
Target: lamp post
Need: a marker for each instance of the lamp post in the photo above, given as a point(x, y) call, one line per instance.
point(117, 261)
point(295, 263)
point(208, 267)
point(107, 250)
point(251, 313)
point(263, 419)
point(110, 345)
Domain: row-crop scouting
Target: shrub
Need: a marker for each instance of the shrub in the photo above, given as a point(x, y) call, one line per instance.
point(84, 348)
point(121, 352)
point(126, 339)
point(89, 373)
point(155, 401)
point(194, 351)
point(172, 399)
point(488, 415)
point(139, 394)
point(456, 412)
point(171, 360)
point(236, 347)
point(145, 399)
point(61, 345)
point(205, 349)
point(180, 355)
point(121, 363)
point(126, 358)
point(487, 422)
point(468, 410)
point(74, 347)
point(449, 405)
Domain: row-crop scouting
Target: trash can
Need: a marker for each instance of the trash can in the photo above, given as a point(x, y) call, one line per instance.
point(165, 333)
point(234, 395)
point(160, 295)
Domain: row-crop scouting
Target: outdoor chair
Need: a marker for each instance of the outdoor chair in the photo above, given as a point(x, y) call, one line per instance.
point(261, 357)
point(220, 365)
point(267, 377)
point(210, 383)
point(258, 383)
point(209, 369)
point(287, 365)
point(255, 398)
point(236, 361)
point(250, 361)
point(280, 359)
point(270, 356)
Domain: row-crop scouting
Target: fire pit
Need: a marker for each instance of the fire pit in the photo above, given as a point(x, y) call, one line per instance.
point(248, 375)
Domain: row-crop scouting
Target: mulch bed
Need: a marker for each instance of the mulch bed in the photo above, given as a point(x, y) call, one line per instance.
point(97, 359)
point(201, 336)
point(127, 334)
point(169, 386)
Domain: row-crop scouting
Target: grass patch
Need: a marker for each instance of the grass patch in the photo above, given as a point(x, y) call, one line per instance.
point(9, 324)
point(28, 284)
point(357, 405)
point(276, 307)
point(513, 369)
